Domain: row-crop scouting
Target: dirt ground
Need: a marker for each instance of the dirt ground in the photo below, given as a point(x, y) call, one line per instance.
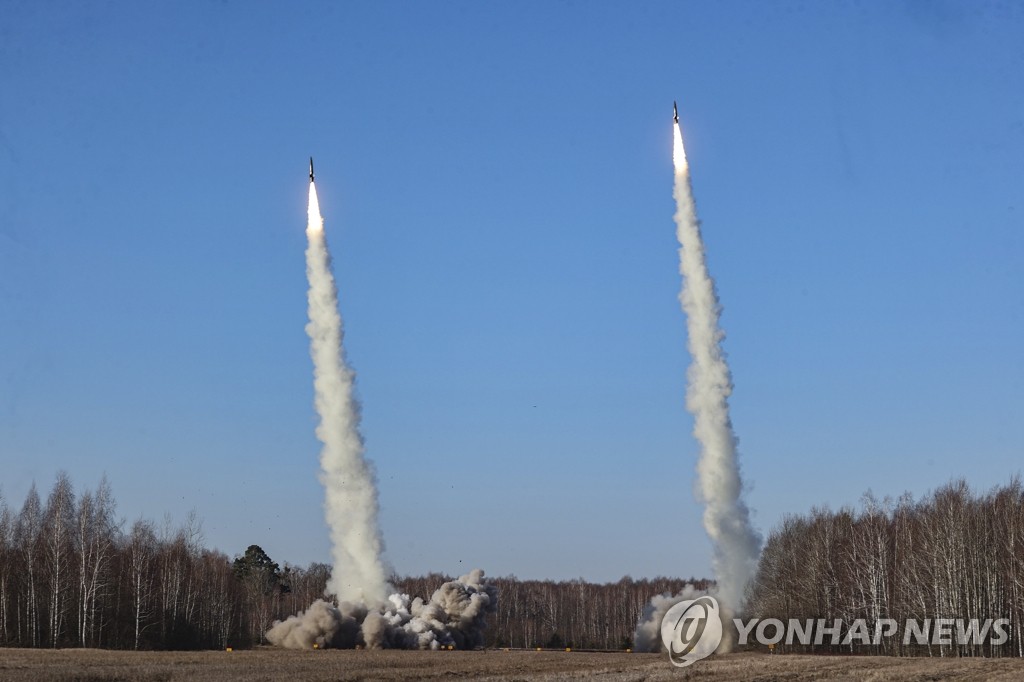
point(90, 665)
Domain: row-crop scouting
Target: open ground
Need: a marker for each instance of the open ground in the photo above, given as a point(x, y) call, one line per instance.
point(93, 665)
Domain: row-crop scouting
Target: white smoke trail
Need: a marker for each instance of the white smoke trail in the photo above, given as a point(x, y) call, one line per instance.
point(735, 544)
point(365, 615)
point(350, 506)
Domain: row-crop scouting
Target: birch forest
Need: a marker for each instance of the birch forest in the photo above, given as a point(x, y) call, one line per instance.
point(951, 554)
point(72, 574)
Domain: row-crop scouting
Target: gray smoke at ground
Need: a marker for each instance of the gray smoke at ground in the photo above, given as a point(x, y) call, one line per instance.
point(648, 632)
point(735, 544)
point(455, 615)
point(358, 572)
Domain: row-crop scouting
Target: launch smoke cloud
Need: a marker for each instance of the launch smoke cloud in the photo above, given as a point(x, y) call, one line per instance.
point(455, 616)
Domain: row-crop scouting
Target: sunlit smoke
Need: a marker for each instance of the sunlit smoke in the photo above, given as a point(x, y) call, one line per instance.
point(358, 573)
point(735, 544)
point(454, 616)
point(726, 517)
point(364, 614)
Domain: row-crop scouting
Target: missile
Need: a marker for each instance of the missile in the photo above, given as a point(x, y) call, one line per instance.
point(311, 167)
point(675, 119)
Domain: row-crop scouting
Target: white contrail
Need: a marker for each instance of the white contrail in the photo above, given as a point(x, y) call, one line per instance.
point(365, 614)
point(350, 505)
point(726, 518)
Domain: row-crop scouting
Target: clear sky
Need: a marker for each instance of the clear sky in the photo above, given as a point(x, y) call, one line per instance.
point(496, 184)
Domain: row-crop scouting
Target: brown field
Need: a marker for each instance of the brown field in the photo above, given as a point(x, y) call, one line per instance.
point(91, 665)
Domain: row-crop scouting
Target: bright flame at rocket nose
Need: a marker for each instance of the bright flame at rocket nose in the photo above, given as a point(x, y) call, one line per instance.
point(314, 223)
point(678, 152)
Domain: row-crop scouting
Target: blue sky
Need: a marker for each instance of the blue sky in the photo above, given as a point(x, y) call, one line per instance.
point(496, 185)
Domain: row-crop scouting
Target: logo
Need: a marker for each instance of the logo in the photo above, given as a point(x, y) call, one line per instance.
point(691, 630)
point(836, 632)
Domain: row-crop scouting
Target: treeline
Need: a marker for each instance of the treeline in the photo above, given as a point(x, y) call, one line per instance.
point(952, 554)
point(73, 575)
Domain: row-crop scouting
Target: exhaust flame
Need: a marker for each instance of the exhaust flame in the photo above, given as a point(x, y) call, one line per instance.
point(735, 544)
point(314, 221)
point(678, 151)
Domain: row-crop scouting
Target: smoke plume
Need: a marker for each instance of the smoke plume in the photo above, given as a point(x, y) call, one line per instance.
point(726, 518)
point(364, 615)
point(735, 544)
point(454, 616)
point(350, 506)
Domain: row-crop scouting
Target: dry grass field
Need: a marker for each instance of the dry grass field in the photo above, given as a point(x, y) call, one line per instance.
point(88, 665)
